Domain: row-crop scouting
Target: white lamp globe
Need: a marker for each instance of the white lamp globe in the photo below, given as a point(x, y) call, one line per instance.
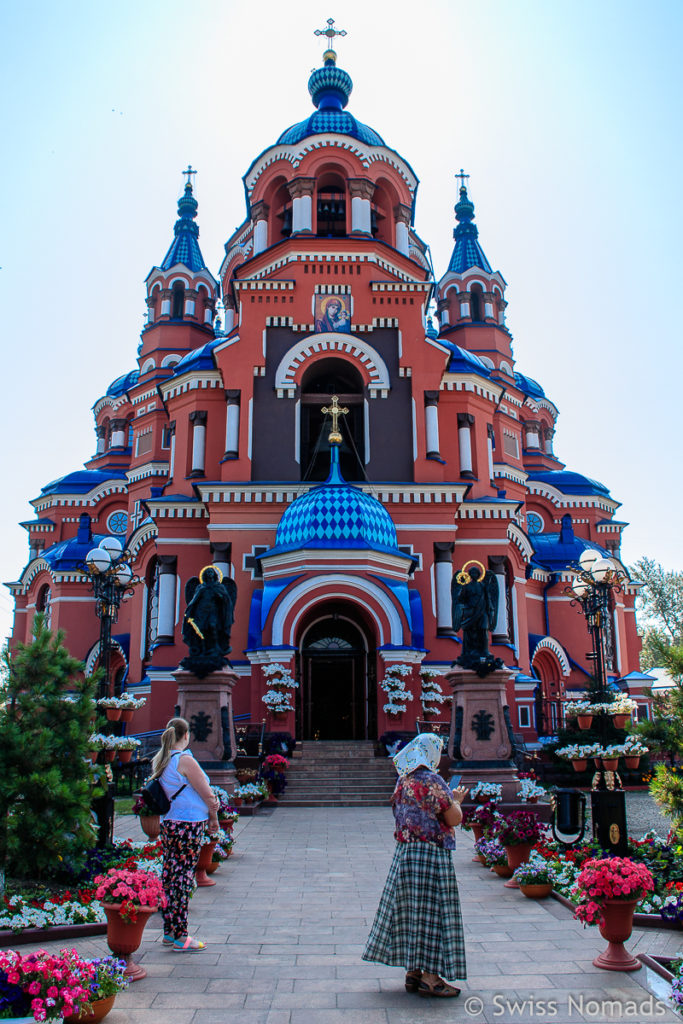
point(112, 545)
point(587, 559)
point(580, 589)
point(124, 574)
point(602, 568)
point(98, 560)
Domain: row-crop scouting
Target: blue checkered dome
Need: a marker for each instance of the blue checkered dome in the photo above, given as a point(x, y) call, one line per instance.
point(336, 515)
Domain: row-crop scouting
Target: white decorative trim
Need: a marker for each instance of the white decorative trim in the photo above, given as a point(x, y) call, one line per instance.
point(551, 644)
point(521, 541)
point(94, 652)
point(149, 469)
point(147, 530)
point(358, 349)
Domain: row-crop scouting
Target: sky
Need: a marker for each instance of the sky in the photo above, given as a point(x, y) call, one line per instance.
point(566, 115)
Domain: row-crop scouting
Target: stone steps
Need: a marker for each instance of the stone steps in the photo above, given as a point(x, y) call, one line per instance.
point(339, 773)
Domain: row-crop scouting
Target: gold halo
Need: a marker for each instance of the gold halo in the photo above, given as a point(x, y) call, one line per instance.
point(332, 298)
point(215, 568)
point(464, 577)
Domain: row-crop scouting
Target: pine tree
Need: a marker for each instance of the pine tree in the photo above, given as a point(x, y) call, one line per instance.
point(46, 710)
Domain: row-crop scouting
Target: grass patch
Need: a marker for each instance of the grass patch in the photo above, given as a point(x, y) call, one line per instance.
point(123, 804)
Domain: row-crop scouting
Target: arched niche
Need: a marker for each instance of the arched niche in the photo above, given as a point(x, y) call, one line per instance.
point(319, 383)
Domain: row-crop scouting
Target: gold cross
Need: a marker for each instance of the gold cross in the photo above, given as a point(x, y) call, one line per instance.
point(335, 411)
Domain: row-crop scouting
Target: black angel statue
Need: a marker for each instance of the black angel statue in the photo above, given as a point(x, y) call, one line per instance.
point(207, 622)
point(474, 604)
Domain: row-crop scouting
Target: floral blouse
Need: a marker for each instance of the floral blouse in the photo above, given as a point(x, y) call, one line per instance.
point(418, 801)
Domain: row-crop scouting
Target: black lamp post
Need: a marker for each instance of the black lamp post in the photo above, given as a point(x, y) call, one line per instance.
point(111, 578)
point(596, 579)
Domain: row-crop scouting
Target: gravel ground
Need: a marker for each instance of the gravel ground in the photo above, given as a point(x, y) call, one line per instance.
point(642, 814)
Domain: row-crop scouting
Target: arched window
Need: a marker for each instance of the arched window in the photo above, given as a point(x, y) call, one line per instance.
point(323, 380)
point(152, 619)
point(331, 207)
point(382, 213)
point(44, 603)
point(178, 304)
point(476, 303)
point(280, 215)
point(154, 307)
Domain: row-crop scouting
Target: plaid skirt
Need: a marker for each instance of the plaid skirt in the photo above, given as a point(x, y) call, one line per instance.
point(418, 923)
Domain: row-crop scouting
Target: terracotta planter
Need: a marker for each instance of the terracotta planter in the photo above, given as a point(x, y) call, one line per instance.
point(127, 714)
point(584, 721)
point(203, 864)
point(610, 764)
point(620, 721)
point(109, 755)
point(632, 762)
point(481, 799)
point(502, 870)
point(125, 756)
point(616, 927)
point(100, 1009)
point(236, 801)
point(93, 755)
point(213, 866)
point(113, 714)
point(124, 937)
point(537, 891)
point(517, 855)
point(477, 832)
point(579, 764)
point(150, 825)
point(532, 800)
point(597, 761)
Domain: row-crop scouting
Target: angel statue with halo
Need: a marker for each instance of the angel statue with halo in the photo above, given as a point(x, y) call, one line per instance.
point(474, 605)
point(207, 622)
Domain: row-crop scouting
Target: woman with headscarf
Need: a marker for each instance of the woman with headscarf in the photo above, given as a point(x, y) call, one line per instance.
point(418, 925)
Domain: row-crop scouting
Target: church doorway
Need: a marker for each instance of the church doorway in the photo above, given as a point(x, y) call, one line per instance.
point(337, 699)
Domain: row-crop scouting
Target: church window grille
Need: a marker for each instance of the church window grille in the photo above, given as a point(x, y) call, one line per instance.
point(524, 713)
point(510, 444)
point(144, 443)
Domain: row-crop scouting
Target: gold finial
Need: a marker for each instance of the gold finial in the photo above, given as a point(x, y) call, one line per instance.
point(330, 32)
point(335, 411)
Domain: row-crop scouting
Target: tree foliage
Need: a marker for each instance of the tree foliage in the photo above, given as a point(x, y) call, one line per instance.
point(45, 780)
point(661, 608)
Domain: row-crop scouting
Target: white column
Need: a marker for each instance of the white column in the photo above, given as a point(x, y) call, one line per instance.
point(208, 315)
point(548, 440)
point(165, 307)
point(465, 441)
point(464, 309)
point(360, 215)
point(432, 423)
point(198, 420)
point(189, 307)
point(221, 554)
point(501, 628)
point(232, 425)
point(167, 593)
point(488, 310)
point(100, 440)
point(229, 318)
point(443, 572)
point(260, 236)
point(402, 238)
point(118, 434)
point(532, 438)
point(489, 448)
point(171, 458)
point(302, 214)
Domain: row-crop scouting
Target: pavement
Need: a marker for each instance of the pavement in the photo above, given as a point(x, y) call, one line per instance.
point(287, 921)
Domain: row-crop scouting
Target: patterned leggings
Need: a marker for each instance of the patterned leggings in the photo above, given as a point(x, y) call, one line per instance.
point(181, 842)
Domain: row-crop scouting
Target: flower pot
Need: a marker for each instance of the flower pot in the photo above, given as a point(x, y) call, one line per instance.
point(610, 764)
point(113, 715)
point(502, 870)
point(597, 761)
point(584, 721)
point(517, 855)
point(616, 926)
point(204, 862)
point(620, 721)
point(100, 1009)
point(124, 756)
point(93, 755)
point(150, 825)
point(481, 799)
point(532, 799)
point(477, 832)
point(632, 762)
point(124, 937)
point(579, 764)
point(213, 866)
point(236, 801)
point(537, 891)
point(109, 755)
point(127, 714)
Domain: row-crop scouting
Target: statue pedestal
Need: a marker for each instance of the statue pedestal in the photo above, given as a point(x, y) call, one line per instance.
point(481, 744)
point(207, 706)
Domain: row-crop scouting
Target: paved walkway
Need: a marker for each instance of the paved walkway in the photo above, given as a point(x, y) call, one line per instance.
point(289, 915)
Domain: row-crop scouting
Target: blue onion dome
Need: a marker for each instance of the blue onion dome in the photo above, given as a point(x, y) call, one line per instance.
point(467, 251)
point(330, 88)
point(431, 330)
point(529, 386)
point(568, 482)
point(185, 247)
point(82, 481)
point(464, 361)
point(122, 384)
point(336, 515)
point(198, 359)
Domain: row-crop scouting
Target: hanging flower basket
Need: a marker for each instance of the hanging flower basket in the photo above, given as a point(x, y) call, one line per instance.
point(584, 721)
point(113, 714)
point(124, 756)
point(127, 714)
point(632, 762)
point(109, 755)
point(610, 764)
point(579, 764)
point(620, 721)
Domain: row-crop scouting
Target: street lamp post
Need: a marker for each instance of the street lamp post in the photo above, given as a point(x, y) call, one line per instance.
point(596, 579)
point(111, 578)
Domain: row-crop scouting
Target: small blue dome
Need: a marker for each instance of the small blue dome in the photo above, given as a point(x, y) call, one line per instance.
point(122, 384)
point(529, 386)
point(336, 515)
point(81, 482)
point(198, 359)
point(567, 482)
point(464, 361)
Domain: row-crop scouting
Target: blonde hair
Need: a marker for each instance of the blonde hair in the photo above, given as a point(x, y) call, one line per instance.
point(175, 730)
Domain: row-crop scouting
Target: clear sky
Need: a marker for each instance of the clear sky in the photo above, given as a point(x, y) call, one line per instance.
point(565, 114)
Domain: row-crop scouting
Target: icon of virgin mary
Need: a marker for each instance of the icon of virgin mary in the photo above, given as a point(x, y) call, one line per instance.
point(332, 314)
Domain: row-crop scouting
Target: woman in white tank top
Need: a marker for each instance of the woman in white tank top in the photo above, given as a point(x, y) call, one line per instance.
point(193, 804)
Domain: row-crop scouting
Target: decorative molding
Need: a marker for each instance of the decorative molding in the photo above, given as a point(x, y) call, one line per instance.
point(548, 643)
point(375, 368)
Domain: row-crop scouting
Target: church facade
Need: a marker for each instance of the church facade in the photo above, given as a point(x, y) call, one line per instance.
point(214, 449)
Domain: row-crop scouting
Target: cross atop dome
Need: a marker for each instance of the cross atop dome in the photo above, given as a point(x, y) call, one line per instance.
point(189, 173)
point(330, 56)
point(463, 180)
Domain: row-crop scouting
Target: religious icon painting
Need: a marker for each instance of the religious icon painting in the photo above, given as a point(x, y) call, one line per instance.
point(333, 313)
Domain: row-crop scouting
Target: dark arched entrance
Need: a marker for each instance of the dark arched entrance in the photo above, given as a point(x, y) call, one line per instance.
point(337, 699)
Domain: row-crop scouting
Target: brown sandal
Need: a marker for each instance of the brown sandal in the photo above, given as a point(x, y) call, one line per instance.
point(440, 988)
point(413, 979)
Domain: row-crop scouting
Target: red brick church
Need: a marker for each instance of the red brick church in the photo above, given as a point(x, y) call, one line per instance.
point(214, 449)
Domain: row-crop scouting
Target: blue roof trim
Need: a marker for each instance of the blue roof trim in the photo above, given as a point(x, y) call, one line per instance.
point(568, 482)
point(324, 122)
point(254, 631)
point(199, 359)
point(417, 618)
point(464, 361)
point(529, 386)
point(122, 384)
point(271, 592)
point(81, 482)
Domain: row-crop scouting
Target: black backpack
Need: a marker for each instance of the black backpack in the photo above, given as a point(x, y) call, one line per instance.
point(155, 798)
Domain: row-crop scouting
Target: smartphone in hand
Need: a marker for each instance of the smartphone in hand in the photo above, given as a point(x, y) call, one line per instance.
point(454, 782)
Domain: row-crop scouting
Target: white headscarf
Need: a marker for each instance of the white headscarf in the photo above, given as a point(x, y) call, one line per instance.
point(424, 750)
